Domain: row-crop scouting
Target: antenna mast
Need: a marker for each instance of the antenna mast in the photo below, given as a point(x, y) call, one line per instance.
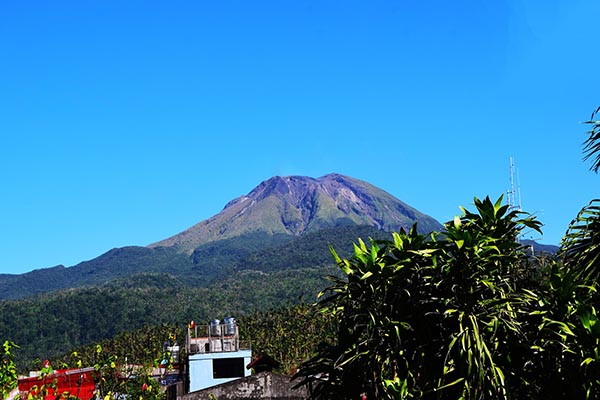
point(514, 193)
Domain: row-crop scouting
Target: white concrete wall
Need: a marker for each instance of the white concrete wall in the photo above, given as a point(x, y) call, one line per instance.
point(201, 368)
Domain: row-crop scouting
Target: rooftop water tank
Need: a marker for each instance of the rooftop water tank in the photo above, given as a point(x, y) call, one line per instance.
point(229, 326)
point(215, 327)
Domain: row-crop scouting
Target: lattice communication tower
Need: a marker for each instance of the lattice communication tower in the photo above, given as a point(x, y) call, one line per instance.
point(514, 193)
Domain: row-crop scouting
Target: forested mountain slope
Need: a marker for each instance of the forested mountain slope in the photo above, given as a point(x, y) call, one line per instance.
point(278, 211)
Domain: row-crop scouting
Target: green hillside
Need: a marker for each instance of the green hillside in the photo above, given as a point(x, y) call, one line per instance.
point(116, 263)
point(265, 250)
point(49, 324)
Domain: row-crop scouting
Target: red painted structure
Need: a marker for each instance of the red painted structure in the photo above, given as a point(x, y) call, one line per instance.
point(75, 382)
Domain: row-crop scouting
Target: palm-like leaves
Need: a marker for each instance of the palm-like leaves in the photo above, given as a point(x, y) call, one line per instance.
point(591, 147)
point(428, 318)
point(581, 244)
point(569, 336)
point(466, 315)
point(482, 268)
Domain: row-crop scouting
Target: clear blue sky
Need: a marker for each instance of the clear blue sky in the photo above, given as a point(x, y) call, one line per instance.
point(124, 122)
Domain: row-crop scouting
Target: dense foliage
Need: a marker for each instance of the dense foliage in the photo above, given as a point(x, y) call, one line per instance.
point(290, 335)
point(468, 313)
point(49, 325)
point(8, 369)
point(435, 317)
point(124, 363)
point(113, 377)
point(288, 273)
point(569, 340)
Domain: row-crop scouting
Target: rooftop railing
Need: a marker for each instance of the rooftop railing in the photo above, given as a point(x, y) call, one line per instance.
point(214, 338)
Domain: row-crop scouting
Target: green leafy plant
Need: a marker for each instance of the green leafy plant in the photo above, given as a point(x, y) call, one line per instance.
point(116, 377)
point(8, 369)
point(430, 317)
point(569, 335)
point(468, 314)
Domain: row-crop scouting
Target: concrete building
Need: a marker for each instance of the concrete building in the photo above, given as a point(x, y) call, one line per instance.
point(215, 355)
point(264, 385)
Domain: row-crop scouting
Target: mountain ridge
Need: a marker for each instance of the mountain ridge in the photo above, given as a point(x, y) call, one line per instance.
point(277, 212)
point(294, 205)
point(278, 256)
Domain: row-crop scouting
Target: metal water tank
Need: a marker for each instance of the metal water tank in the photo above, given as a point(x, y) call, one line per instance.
point(215, 327)
point(229, 326)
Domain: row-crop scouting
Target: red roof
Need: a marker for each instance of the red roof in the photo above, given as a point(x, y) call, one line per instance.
point(76, 382)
